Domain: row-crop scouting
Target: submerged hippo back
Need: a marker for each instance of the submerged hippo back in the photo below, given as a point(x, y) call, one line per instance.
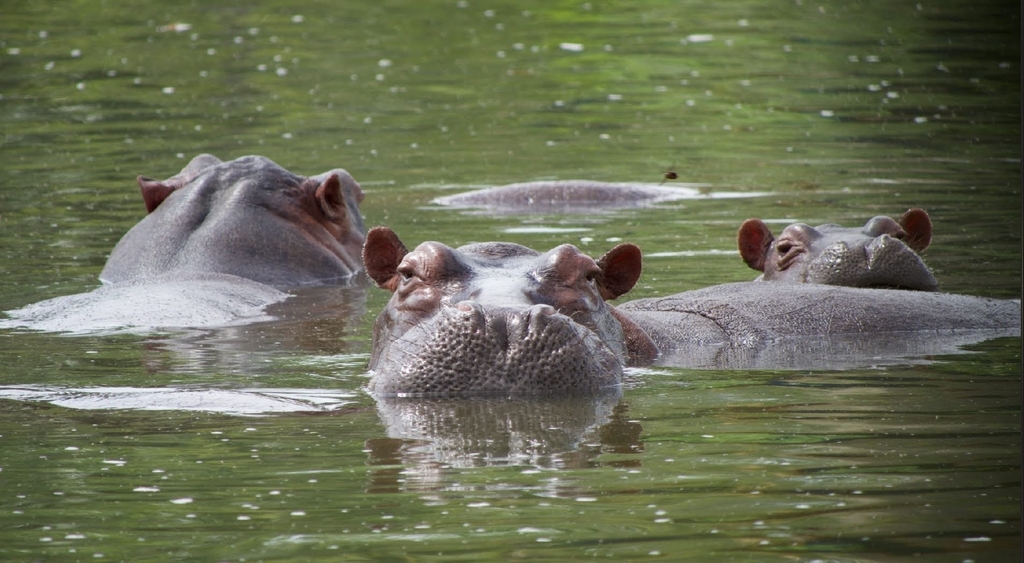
point(249, 218)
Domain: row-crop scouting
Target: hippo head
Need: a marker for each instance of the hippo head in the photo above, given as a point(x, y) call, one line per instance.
point(249, 218)
point(879, 254)
point(496, 318)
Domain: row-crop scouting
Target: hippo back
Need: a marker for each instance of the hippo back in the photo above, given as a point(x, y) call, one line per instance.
point(756, 312)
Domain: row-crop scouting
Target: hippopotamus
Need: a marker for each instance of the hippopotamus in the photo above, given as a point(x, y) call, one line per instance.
point(248, 218)
point(500, 318)
point(882, 253)
point(537, 321)
point(580, 196)
point(218, 244)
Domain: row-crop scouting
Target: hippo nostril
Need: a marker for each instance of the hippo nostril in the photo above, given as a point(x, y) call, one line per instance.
point(880, 246)
point(540, 316)
point(543, 310)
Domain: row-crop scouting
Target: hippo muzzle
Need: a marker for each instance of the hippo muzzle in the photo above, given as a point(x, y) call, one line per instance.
point(881, 262)
point(472, 350)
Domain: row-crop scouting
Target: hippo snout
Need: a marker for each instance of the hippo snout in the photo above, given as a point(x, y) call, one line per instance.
point(508, 326)
point(471, 349)
point(883, 261)
point(894, 264)
point(882, 247)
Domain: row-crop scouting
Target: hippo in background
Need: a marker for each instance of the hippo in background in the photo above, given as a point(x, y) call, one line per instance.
point(248, 218)
point(882, 253)
point(220, 242)
point(502, 319)
point(580, 196)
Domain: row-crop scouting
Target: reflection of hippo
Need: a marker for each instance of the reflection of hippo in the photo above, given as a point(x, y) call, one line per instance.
point(543, 432)
point(219, 238)
point(499, 318)
point(879, 254)
point(580, 196)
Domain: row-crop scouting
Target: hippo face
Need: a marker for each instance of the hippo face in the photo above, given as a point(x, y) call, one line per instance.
point(496, 318)
point(879, 254)
point(249, 218)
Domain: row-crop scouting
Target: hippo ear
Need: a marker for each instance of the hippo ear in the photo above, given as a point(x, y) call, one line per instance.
point(154, 192)
point(330, 198)
point(382, 253)
point(620, 269)
point(754, 240)
point(918, 226)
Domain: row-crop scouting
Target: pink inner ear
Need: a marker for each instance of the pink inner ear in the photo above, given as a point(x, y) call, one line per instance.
point(754, 240)
point(918, 226)
point(154, 192)
point(382, 253)
point(329, 198)
point(620, 270)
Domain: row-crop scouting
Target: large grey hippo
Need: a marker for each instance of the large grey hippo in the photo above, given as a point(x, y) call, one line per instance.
point(882, 253)
point(219, 243)
point(500, 318)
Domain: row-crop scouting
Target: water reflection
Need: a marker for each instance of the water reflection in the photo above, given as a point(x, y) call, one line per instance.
point(831, 352)
point(425, 437)
point(250, 402)
point(315, 320)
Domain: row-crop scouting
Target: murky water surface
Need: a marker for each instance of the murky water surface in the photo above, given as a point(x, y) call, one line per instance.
point(257, 443)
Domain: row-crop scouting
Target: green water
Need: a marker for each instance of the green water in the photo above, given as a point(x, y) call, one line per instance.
point(257, 443)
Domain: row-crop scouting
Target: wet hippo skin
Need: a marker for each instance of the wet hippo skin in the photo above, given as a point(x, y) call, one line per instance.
point(249, 218)
point(495, 318)
point(499, 318)
point(220, 242)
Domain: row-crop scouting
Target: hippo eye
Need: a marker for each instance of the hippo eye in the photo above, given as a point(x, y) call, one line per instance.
point(784, 247)
point(406, 272)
